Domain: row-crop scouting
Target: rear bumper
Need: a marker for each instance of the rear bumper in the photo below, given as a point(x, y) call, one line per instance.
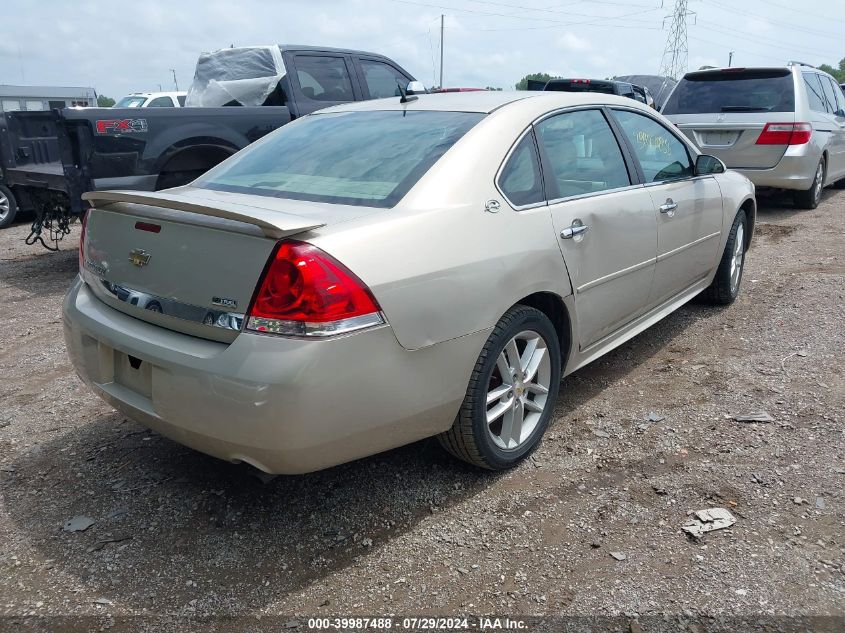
point(283, 405)
point(794, 171)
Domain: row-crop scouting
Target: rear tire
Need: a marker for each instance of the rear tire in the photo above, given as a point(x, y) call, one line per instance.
point(507, 408)
point(810, 198)
point(725, 286)
point(8, 207)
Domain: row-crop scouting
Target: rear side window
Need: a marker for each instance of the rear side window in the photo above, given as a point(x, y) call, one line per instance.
point(661, 154)
point(382, 79)
point(181, 99)
point(733, 91)
point(324, 78)
point(520, 180)
point(583, 153)
point(830, 95)
point(160, 102)
point(815, 94)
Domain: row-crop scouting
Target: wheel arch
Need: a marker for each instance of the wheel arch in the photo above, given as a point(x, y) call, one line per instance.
point(749, 205)
point(553, 306)
point(193, 158)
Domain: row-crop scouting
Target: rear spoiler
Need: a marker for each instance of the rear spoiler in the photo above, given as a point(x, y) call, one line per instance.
point(274, 224)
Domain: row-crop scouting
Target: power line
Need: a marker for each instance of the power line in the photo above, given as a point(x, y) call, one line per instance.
point(759, 39)
point(790, 25)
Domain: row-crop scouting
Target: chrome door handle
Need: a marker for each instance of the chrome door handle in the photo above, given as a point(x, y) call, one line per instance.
point(669, 207)
point(576, 229)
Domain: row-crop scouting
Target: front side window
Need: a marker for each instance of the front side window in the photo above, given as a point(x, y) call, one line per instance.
point(661, 154)
point(382, 80)
point(815, 93)
point(324, 78)
point(520, 179)
point(359, 158)
point(583, 154)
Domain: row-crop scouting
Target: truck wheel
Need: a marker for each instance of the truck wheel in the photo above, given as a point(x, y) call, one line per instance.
point(511, 394)
point(8, 207)
point(725, 286)
point(810, 198)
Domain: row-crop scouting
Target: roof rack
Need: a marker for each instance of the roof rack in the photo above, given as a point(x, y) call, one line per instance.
point(797, 63)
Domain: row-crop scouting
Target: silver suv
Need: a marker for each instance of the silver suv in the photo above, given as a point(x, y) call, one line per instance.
point(780, 127)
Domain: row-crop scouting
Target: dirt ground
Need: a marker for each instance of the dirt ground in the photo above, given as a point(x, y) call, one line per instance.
point(412, 531)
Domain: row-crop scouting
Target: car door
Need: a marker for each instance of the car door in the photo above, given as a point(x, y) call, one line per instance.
point(379, 79)
point(320, 80)
point(687, 208)
point(604, 220)
point(835, 106)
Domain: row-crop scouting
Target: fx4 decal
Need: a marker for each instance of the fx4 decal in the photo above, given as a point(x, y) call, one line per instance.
point(119, 126)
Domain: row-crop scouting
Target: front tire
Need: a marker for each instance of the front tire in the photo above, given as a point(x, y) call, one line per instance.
point(810, 198)
point(511, 394)
point(725, 286)
point(8, 207)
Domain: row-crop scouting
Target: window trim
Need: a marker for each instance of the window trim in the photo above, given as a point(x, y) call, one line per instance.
point(496, 180)
point(692, 153)
point(633, 175)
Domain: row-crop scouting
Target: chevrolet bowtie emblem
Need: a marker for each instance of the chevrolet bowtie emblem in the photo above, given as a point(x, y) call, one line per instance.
point(139, 257)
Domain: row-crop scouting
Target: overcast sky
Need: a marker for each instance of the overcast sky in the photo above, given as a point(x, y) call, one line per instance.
point(122, 46)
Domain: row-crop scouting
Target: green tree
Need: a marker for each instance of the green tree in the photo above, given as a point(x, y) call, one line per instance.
point(104, 102)
point(522, 84)
point(838, 73)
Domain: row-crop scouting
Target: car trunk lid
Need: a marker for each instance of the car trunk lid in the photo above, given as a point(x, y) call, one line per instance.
point(189, 263)
point(732, 137)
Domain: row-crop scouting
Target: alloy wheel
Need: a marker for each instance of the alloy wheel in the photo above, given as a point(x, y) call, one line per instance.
point(518, 390)
point(737, 258)
point(4, 206)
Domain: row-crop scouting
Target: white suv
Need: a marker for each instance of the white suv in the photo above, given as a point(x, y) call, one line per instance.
point(780, 127)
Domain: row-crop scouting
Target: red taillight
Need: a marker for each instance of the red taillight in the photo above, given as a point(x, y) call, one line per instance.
point(785, 134)
point(580, 81)
point(306, 292)
point(83, 220)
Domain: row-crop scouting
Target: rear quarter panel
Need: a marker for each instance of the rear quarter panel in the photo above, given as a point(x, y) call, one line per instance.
point(440, 265)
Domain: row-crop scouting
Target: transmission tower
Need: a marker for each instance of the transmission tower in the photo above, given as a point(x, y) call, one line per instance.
point(674, 61)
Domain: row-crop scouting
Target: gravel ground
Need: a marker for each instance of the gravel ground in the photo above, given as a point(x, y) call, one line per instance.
point(412, 531)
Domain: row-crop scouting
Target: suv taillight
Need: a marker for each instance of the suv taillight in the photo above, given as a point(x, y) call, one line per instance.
point(83, 220)
point(785, 134)
point(306, 292)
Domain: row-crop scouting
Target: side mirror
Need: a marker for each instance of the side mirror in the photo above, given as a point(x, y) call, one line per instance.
point(706, 165)
point(415, 88)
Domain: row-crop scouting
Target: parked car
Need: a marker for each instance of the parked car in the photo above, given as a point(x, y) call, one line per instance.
point(603, 86)
point(55, 156)
point(8, 200)
point(152, 100)
point(782, 127)
point(386, 271)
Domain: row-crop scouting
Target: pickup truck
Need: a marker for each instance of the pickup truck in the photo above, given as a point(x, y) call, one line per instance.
point(238, 95)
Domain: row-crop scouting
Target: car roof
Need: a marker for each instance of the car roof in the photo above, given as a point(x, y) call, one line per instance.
point(484, 102)
point(326, 49)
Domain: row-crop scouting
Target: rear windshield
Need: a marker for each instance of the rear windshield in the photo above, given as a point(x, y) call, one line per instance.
point(733, 91)
point(566, 85)
point(130, 102)
point(360, 158)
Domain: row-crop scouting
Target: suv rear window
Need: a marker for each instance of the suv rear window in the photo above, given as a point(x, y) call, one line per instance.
point(752, 90)
point(359, 158)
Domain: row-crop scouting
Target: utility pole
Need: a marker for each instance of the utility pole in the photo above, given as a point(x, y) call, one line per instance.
point(442, 18)
point(730, 58)
point(175, 83)
point(674, 61)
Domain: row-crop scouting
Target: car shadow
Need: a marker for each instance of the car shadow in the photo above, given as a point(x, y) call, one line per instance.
point(214, 531)
point(774, 205)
